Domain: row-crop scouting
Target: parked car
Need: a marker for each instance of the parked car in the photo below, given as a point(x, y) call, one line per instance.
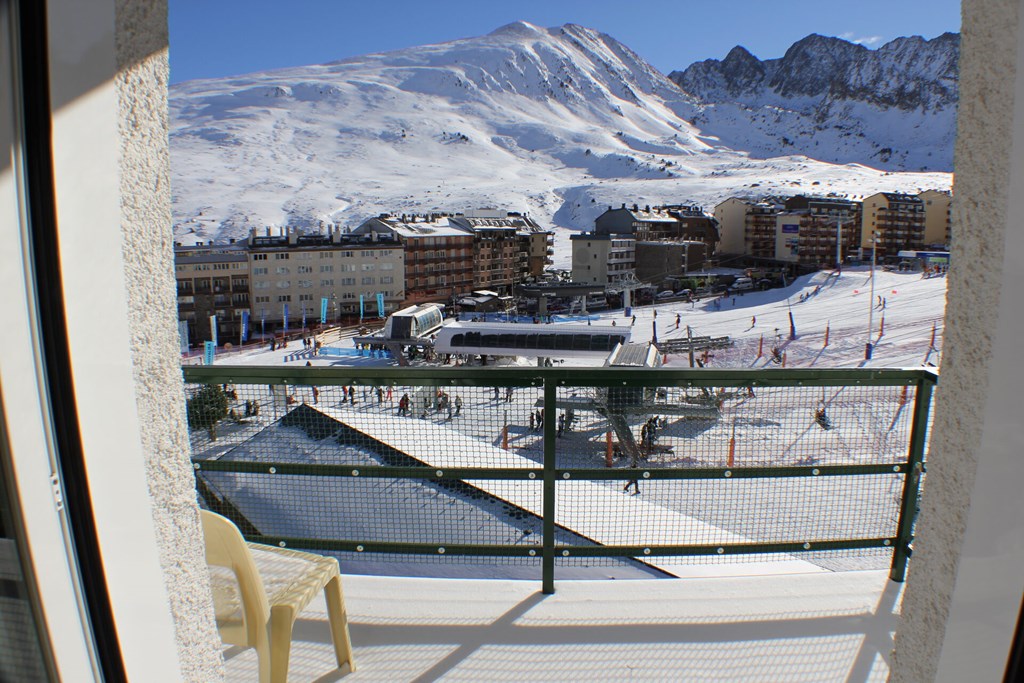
point(741, 284)
point(687, 293)
point(665, 295)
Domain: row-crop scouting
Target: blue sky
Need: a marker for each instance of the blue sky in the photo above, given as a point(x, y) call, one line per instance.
point(230, 37)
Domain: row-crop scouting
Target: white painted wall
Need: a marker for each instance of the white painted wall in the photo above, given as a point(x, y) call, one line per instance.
point(966, 580)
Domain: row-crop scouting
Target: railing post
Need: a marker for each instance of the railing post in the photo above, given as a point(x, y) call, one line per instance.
point(912, 481)
point(548, 547)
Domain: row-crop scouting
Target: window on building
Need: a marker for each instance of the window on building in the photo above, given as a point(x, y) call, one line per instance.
point(282, 270)
point(284, 298)
point(281, 257)
point(369, 280)
point(326, 269)
point(327, 283)
point(284, 284)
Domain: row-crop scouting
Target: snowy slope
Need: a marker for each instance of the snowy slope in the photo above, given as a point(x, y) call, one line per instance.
point(893, 108)
point(559, 122)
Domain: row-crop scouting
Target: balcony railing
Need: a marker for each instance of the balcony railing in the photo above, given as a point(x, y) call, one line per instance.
point(653, 470)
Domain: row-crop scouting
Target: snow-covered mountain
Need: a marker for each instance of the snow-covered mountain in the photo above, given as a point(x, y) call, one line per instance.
point(559, 122)
point(892, 108)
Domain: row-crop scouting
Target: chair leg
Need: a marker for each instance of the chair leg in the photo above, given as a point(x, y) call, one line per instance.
point(281, 622)
point(339, 623)
point(263, 656)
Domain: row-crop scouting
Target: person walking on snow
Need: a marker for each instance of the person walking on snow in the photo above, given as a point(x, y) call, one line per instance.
point(753, 320)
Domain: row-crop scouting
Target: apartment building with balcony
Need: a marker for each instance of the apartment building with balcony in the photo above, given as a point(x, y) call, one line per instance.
point(439, 255)
point(897, 222)
point(747, 227)
point(937, 211)
point(602, 259)
point(669, 222)
point(656, 261)
point(292, 273)
point(497, 248)
point(212, 280)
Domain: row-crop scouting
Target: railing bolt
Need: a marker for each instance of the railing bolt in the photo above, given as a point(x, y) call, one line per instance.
point(815, 471)
point(439, 473)
point(195, 466)
point(721, 550)
point(440, 551)
point(887, 542)
point(647, 551)
point(807, 546)
point(728, 473)
point(532, 475)
point(647, 475)
point(273, 470)
point(565, 553)
point(565, 475)
point(533, 553)
point(355, 473)
point(281, 543)
point(359, 548)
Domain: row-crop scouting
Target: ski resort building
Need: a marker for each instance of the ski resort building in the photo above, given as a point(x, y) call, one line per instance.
point(937, 217)
point(292, 273)
point(213, 290)
point(104, 562)
point(669, 222)
point(896, 221)
point(748, 227)
point(602, 259)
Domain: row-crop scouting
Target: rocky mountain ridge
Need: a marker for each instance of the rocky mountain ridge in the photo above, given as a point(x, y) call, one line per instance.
point(894, 107)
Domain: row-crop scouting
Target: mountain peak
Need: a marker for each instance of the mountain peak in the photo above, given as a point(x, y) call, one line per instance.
point(520, 28)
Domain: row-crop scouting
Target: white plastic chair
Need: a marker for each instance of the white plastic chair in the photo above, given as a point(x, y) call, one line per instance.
point(254, 585)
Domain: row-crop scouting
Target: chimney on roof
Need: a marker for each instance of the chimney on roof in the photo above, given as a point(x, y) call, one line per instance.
point(623, 205)
point(231, 240)
point(647, 208)
point(636, 208)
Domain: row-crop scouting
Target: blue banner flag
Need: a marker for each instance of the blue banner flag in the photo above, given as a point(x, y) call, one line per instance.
point(286, 317)
point(213, 329)
point(245, 326)
point(362, 307)
point(323, 311)
point(209, 349)
point(380, 304)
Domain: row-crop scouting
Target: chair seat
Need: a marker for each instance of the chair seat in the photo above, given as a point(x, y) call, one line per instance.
point(290, 577)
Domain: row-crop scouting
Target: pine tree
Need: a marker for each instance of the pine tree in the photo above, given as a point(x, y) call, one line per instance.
point(208, 407)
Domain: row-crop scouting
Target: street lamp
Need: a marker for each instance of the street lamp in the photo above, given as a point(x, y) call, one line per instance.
point(871, 301)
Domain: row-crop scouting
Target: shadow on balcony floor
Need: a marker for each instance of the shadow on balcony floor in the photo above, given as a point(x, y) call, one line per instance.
point(821, 627)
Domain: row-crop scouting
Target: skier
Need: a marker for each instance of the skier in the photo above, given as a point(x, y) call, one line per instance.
point(635, 483)
point(458, 405)
point(678, 320)
point(561, 424)
point(753, 320)
point(821, 417)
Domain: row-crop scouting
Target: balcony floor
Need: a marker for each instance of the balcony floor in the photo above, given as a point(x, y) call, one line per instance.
point(806, 627)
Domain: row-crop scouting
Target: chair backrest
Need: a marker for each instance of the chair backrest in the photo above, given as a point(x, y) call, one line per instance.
point(225, 547)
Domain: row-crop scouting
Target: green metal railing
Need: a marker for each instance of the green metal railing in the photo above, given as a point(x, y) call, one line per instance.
point(790, 464)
